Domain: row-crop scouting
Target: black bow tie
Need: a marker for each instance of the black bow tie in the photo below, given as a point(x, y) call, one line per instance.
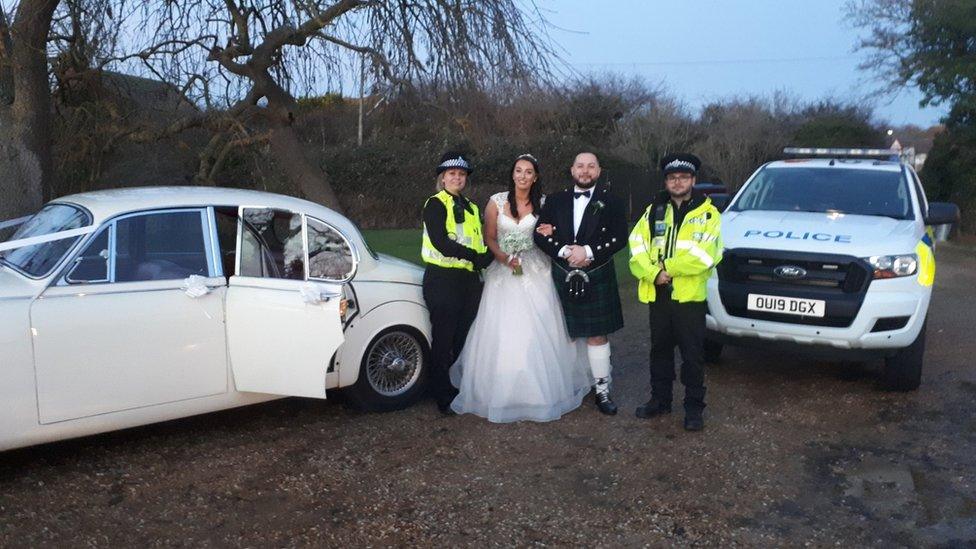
point(577, 194)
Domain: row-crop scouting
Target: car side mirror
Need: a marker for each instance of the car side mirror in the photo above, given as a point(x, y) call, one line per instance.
point(942, 213)
point(720, 200)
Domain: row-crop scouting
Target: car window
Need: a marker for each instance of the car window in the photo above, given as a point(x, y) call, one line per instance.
point(40, 259)
point(160, 246)
point(329, 253)
point(92, 264)
point(841, 190)
point(272, 245)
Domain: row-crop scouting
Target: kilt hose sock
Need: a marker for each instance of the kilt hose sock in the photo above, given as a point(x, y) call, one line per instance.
point(599, 356)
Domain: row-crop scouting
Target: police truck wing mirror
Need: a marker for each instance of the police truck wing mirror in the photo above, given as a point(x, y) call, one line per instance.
point(720, 200)
point(942, 213)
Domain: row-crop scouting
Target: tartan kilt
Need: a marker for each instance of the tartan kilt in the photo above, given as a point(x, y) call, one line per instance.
point(599, 313)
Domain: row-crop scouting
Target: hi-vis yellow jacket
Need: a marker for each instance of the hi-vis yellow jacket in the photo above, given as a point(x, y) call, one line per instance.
point(688, 254)
point(466, 232)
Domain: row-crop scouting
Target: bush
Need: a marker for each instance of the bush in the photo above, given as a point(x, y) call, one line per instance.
point(949, 173)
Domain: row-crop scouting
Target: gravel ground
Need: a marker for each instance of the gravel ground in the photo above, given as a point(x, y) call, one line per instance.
point(795, 452)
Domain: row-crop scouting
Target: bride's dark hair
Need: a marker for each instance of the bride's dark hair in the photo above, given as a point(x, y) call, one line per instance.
point(535, 193)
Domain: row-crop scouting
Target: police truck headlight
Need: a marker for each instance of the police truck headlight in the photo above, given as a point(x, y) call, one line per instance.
point(893, 266)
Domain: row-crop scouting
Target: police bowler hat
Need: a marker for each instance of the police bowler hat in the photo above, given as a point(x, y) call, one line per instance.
point(451, 160)
point(680, 162)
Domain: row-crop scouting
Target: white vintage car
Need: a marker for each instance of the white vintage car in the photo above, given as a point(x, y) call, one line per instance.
point(126, 307)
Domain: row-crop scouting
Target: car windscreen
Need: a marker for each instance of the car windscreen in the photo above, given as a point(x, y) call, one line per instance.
point(39, 259)
point(828, 190)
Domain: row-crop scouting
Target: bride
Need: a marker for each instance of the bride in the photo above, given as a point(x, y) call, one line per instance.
point(518, 361)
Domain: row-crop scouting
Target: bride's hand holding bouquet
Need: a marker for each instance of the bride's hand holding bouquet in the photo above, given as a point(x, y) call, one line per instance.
point(512, 244)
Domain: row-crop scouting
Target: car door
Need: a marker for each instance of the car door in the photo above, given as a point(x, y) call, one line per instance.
point(126, 326)
point(283, 319)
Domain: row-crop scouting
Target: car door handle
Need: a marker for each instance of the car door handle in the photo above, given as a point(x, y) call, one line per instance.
point(326, 296)
point(313, 295)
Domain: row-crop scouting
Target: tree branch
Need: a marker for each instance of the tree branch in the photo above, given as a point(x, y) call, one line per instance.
point(377, 57)
point(286, 34)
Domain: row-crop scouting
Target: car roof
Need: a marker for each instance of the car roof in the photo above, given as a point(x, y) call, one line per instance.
point(838, 163)
point(112, 202)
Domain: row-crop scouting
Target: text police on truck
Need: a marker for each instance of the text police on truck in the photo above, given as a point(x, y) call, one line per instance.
point(830, 253)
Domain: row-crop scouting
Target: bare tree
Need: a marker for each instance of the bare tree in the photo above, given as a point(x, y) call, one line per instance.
point(6, 71)
point(885, 23)
point(926, 44)
point(662, 128)
point(741, 134)
point(254, 57)
point(245, 61)
point(25, 108)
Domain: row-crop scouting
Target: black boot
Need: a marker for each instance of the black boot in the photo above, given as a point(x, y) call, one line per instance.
point(445, 409)
point(603, 401)
point(652, 408)
point(694, 420)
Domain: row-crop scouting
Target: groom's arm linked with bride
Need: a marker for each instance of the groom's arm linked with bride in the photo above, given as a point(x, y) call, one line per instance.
point(603, 228)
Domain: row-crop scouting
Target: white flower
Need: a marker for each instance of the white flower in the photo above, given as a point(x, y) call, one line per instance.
point(515, 242)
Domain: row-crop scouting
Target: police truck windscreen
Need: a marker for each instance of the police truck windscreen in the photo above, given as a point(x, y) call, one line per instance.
point(828, 190)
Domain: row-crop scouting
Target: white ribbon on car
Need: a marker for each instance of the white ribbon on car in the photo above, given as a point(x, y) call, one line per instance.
point(311, 293)
point(44, 238)
point(196, 286)
point(14, 222)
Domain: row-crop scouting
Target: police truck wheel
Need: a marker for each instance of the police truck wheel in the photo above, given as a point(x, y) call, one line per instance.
point(903, 371)
point(713, 351)
point(393, 372)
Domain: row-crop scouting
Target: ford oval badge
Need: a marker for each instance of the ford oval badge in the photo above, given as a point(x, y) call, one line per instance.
point(790, 271)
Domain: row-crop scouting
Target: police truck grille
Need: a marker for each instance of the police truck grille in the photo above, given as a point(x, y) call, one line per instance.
point(841, 281)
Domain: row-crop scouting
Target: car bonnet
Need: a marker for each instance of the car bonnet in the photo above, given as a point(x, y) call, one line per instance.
point(833, 233)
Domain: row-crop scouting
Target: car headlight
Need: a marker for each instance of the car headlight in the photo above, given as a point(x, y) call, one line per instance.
point(893, 266)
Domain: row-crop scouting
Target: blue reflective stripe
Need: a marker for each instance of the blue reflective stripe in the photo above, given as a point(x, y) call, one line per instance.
point(927, 240)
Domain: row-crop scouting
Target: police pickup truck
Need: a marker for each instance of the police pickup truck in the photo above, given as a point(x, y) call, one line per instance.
point(829, 252)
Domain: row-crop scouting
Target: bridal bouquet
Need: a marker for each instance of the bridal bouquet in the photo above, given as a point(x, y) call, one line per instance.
point(513, 243)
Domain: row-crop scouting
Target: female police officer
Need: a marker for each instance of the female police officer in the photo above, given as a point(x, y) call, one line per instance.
point(454, 251)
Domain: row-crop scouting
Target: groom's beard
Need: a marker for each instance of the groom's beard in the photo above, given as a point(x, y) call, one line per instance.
point(582, 185)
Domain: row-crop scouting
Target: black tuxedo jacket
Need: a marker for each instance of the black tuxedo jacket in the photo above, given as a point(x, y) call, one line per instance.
point(603, 228)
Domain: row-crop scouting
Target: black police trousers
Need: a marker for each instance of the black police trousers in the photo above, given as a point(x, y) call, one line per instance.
point(452, 297)
point(682, 325)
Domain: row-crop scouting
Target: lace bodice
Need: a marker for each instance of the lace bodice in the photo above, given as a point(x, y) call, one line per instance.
point(532, 260)
point(508, 224)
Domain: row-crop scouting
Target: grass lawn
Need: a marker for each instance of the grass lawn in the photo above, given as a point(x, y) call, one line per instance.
point(405, 244)
point(402, 243)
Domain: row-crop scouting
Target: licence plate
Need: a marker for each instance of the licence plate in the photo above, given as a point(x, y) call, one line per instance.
point(786, 305)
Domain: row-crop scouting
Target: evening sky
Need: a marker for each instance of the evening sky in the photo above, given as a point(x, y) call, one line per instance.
point(710, 50)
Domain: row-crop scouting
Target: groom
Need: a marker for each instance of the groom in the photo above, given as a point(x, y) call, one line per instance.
point(588, 227)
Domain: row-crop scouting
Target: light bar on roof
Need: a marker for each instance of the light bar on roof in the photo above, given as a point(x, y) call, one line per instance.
point(841, 152)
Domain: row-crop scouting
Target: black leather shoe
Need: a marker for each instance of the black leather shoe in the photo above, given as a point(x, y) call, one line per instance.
point(694, 421)
point(446, 409)
point(652, 408)
point(605, 404)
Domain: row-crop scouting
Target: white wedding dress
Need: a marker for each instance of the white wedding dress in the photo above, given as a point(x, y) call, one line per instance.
point(518, 361)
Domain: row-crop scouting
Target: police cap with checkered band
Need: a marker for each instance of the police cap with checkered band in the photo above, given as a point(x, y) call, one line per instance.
point(452, 159)
point(680, 162)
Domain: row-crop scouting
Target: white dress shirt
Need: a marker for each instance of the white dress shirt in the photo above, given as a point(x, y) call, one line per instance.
point(579, 208)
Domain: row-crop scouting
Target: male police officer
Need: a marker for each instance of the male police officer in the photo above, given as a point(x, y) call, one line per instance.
point(673, 249)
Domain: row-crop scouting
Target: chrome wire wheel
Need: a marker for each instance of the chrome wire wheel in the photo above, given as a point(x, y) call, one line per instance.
point(394, 363)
